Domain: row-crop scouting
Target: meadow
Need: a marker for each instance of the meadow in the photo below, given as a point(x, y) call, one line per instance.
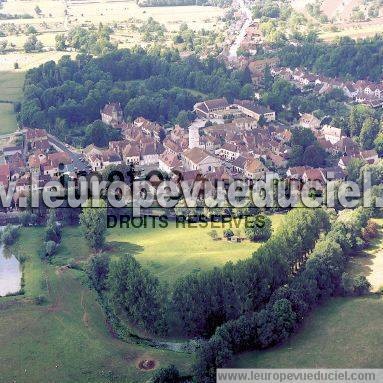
point(343, 333)
point(66, 339)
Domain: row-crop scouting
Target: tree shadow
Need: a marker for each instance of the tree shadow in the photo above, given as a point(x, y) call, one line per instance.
point(125, 247)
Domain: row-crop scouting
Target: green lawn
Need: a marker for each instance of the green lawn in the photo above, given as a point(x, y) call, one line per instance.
point(11, 84)
point(65, 340)
point(344, 333)
point(176, 251)
point(8, 123)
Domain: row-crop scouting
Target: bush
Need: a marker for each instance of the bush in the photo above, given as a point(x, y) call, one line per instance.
point(9, 234)
point(260, 229)
point(354, 286)
point(40, 300)
point(27, 218)
point(49, 250)
point(228, 233)
point(168, 374)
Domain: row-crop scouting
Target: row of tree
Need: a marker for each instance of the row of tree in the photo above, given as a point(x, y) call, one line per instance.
point(208, 299)
point(322, 276)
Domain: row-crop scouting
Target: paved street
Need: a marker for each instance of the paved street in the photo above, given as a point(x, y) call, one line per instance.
point(76, 157)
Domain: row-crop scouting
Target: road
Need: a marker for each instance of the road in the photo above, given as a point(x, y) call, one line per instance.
point(241, 35)
point(76, 157)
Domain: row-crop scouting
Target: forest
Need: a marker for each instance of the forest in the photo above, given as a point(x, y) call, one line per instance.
point(347, 58)
point(66, 97)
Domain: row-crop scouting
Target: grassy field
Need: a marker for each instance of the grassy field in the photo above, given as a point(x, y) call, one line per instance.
point(344, 333)
point(370, 262)
point(66, 340)
point(175, 251)
point(8, 122)
point(11, 84)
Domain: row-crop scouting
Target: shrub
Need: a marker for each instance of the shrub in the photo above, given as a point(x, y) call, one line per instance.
point(228, 233)
point(168, 374)
point(259, 230)
point(354, 286)
point(9, 234)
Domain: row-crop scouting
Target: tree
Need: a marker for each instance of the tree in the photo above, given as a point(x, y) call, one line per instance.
point(33, 45)
point(259, 231)
point(31, 30)
point(138, 293)
point(98, 270)
point(38, 10)
point(354, 168)
point(213, 234)
point(93, 222)
point(99, 134)
point(168, 374)
point(368, 133)
point(378, 144)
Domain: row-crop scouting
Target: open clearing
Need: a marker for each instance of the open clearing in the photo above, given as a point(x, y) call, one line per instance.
point(176, 251)
point(65, 340)
point(344, 333)
point(8, 122)
point(370, 262)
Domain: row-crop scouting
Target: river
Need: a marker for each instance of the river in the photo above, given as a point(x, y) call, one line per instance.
point(241, 35)
point(10, 273)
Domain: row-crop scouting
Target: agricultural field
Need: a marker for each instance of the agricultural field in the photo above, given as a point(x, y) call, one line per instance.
point(10, 90)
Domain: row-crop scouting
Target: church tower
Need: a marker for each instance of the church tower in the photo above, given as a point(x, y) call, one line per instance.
point(194, 137)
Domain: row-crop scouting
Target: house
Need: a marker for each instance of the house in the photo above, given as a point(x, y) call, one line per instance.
point(99, 159)
point(131, 154)
point(149, 153)
point(334, 173)
point(55, 163)
point(33, 136)
point(350, 90)
point(110, 157)
point(5, 175)
point(207, 108)
point(111, 114)
point(168, 161)
point(331, 134)
point(254, 169)
point(199, 159)
point(297, 172)
point(309, 121)
point(11, 150)
point(344, 161)
point(228, 151)
point(277, 160)
point(251, 109)
point(370, 156)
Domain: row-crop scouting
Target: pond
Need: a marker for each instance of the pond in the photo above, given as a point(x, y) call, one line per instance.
point(10, 273)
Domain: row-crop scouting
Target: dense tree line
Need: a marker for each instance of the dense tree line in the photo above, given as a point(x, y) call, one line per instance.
point(208, 299)
point(346, 58)
point(67, 96)
point(321, 276)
